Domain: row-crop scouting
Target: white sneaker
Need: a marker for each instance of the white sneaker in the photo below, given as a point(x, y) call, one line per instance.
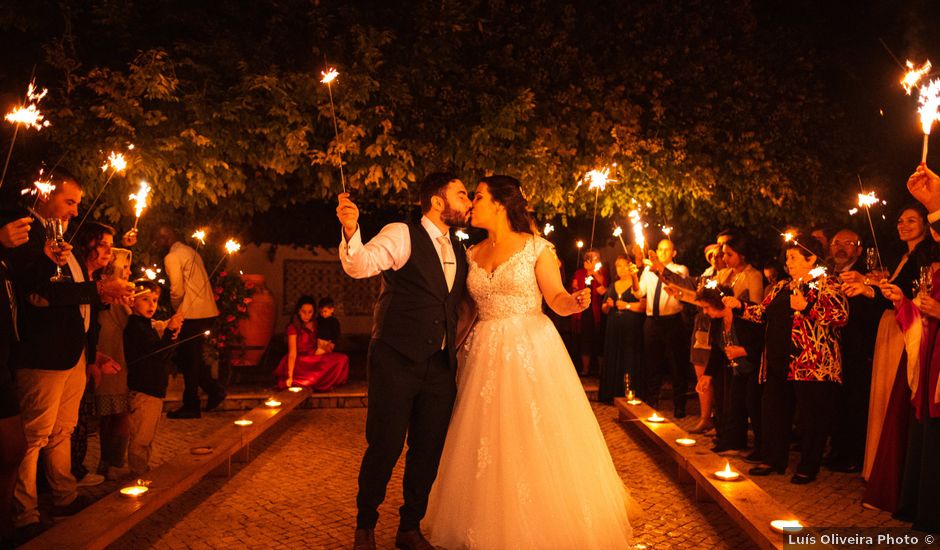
point(90, 480)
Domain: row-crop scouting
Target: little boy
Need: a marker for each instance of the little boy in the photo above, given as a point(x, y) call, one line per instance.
point(147, 374)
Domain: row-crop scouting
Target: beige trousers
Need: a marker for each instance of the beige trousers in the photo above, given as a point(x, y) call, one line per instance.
point(146, 411)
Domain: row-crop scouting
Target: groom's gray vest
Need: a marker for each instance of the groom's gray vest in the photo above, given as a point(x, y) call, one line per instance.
point(414, 310)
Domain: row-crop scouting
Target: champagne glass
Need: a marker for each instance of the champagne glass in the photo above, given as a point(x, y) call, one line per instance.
point(56, 238)
point(626, 386)
point(728, 338)
point(871, 260)
point(926, 280)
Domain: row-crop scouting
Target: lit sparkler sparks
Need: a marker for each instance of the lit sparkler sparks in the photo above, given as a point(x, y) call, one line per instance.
point(817, 272)
point(461, 235)
point(637, 222)
point(140, 200)
point(853, 211)
point(598, 266)
point(588, 280)
point(929, 110)
point(232, 246)
point(580, 245)
point(667, 230)
point(116, 162)
point(618, 232)
point(596, 180)
point(200, 235)
point(712, 283)
point(867, 200)
point(42, 187)
point(788, 236)
point(913, 76)
point(29, 116)
point(329, 76)
point(547, 230)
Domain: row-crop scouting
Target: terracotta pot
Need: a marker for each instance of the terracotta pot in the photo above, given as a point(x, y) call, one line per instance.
point(258, 328)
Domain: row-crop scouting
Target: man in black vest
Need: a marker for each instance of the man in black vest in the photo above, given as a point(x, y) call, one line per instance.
point(412, 356)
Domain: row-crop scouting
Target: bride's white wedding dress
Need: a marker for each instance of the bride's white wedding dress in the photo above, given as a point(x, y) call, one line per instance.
point(525, 464)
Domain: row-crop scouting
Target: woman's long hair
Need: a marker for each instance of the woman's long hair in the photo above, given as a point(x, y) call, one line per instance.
point(507, 191)
point(295, 320)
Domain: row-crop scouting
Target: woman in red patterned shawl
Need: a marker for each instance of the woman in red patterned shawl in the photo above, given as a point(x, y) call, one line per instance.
point(310, 362)
point(802, 366)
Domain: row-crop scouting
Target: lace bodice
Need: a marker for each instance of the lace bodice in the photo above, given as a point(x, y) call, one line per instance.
point(511, 289)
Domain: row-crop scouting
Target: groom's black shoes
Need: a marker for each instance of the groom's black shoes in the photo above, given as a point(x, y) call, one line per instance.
point(365, 539)
point(412, 540)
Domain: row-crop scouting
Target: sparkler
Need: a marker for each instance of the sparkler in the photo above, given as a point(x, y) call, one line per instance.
point(116, 163)
point(200, 235)
point(231, 247)
point(547, 229)
point(866, 200)
point(41, 188)
point(29, 116)
point(596, 180)
point(328, 77)
point(580, 245)
point(140, 200)
point(790, 237)
point(618, 232)
point(461, 235)
point(913, 76)
point(171, 346)
point(929, 110)
point(667, 231)
point(638, 238)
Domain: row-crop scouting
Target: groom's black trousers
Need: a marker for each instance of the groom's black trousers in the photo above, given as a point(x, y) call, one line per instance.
point(405, 398)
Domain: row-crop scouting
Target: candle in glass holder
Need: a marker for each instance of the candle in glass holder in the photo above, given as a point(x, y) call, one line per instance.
point(243, 422)
point(272, 403)
point(685, 442)
point(655, 418)
point(786, 525)
point(727, 474)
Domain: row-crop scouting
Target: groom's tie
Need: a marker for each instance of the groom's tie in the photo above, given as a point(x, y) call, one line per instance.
point(450, 263)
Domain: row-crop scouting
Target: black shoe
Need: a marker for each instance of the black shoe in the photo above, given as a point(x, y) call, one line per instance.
point(764, 470)
point(28, 532)
point(214, 401)
point(80, 503)
point(802, 479)
point(183, 412)
point(754, 457)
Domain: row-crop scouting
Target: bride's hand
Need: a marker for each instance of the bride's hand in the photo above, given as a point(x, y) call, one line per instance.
point(583, 298)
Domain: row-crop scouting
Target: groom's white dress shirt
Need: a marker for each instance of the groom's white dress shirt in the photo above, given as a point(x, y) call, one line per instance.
point(390, 249)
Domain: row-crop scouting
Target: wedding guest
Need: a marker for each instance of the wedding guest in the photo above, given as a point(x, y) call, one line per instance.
point(145, 342)
point(802, 366)
point(623, 345)
point(665, 338)
point(700, 347)
point(93, 246)
point(847, 451)
point(920, 320)
point(588, 326)
point(13, 233)
point(191, 295)
point(736, 349)
point(310, 361)
point(112, 402)
point(51, 355)
point(328, 327)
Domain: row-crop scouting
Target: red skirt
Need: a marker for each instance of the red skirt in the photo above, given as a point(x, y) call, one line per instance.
point(318, 372)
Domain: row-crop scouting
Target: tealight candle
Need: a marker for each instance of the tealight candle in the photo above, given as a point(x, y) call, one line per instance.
point(786, 525)
point(655, 418)
point(634, 402)
point(295, 389)
point(272, 403)
point(243, 422)
point(727, 474)
point(134, 491)
point(685, 442)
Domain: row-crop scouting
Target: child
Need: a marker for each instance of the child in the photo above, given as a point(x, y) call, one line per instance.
point(147, 374)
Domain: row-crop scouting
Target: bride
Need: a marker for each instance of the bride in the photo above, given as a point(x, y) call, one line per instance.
point(525, 464)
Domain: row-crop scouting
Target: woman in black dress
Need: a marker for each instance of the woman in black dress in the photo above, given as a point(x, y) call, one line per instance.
point(624, 338)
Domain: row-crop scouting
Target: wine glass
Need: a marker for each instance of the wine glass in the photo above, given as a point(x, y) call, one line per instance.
point(56, 238)
point(871, 260)
point(728, 338)
point(926, 280)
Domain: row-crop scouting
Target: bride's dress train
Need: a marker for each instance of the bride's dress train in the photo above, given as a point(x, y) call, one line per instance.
point(525, 464)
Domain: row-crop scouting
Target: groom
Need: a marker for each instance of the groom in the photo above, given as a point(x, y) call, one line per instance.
point(412, 356)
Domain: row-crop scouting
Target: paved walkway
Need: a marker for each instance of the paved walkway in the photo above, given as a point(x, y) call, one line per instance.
point(299, 491)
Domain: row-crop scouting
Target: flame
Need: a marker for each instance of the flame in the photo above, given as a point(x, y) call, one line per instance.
point(598, 266)
point(727, 472)
point(207, 333)
point(817, 272)
point(580, 244)
point(667, 230)
point(712, 283)
point(30, 115)
point(913, 76)
point(638, 236)
point(200, 235)
point(618, 231)
point(115, 162)
point(42, 187)
point(588, 280)
point(853, 211)
point(788, 236)
point(929, 101)
point(867, 200)
point(151, 274)
point(328, 76)
point(232, 246)
point(597, 179)
point(140, 198)
point(548, 229)
point(461, 235)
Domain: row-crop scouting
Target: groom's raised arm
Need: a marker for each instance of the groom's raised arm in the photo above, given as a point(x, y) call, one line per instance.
point(390, 249)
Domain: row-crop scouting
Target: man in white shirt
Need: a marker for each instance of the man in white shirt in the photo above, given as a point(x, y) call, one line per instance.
point(192, 298)
point(412, 358)
point(665, 337)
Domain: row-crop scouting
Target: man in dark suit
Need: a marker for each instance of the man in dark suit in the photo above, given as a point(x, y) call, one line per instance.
point(412, 357)
point(849, 426)
point(50, 358)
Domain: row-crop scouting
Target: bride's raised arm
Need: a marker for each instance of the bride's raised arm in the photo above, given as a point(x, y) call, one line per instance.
point(548, 275)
